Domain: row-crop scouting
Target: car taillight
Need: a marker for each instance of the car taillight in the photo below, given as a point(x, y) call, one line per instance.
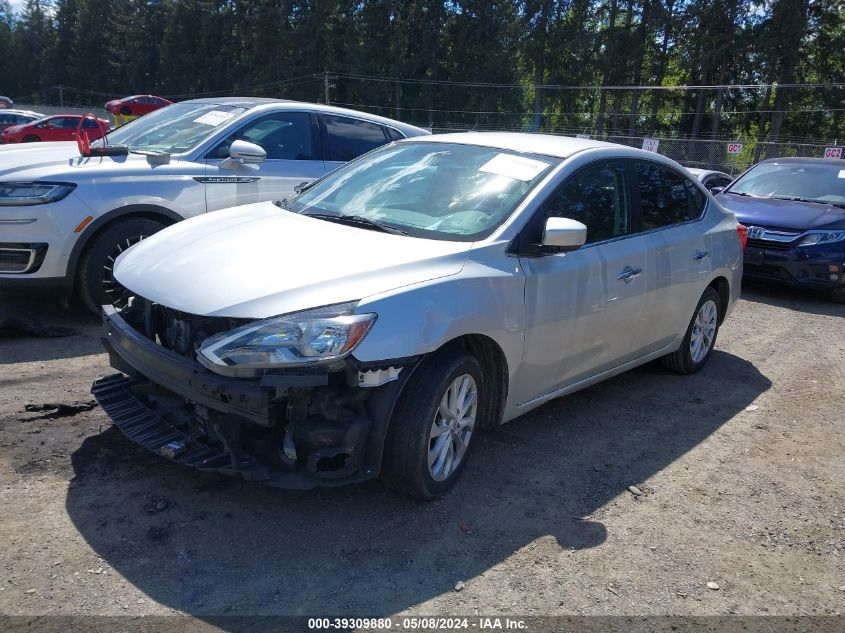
point(742, 230)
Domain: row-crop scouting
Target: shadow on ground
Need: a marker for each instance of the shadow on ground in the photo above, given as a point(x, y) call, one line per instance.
point(797, 299)
point(209, 545)
point(42, 309)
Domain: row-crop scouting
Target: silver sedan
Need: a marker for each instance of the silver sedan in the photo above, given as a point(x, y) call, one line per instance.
point(373, 324)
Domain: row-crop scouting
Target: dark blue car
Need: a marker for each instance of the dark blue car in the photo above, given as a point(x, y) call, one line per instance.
point(794, 209)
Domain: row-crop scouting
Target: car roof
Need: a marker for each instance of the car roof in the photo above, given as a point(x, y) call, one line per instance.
point(26, 112)
point(255, 102)
point(804, 160)
point(547, 144)
point(703, 173)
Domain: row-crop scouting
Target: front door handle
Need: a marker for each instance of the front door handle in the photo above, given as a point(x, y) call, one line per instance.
point(629, 273)
point(699, 255)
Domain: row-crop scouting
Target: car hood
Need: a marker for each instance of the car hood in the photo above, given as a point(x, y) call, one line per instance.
point(41, 161)
point(258, 261)
point(787, 214)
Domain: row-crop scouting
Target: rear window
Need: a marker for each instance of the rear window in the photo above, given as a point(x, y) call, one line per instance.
point(666, 197)
point(348, 138)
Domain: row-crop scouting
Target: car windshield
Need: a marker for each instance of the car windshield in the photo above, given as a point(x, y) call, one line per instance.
point(817, 182)
point(174, 129)
point(434, 190)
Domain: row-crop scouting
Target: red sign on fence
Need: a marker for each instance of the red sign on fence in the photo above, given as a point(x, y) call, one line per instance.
point(734, 148)
point(833, 152)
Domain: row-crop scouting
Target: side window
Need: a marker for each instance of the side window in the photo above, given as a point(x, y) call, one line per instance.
point(8, 119)
point(89, 124)
point(394, 134)
point(666, 197)
point(349, 138)
point(283, 135)
point(596, 196)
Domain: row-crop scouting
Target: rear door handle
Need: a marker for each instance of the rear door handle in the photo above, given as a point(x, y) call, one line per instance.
point(699, 255)
point(629, 273)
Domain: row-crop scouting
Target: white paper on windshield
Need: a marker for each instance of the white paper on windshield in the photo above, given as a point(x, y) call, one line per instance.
point(214, 117)
point(517, 167)
point(842, 173)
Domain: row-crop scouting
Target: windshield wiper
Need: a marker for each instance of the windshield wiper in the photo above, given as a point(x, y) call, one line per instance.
point(739, 193)
point(357, 220)
point(841, 205)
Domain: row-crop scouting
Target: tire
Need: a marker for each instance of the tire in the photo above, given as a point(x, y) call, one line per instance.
point(683, 360)
point(838, 296)
point(405, 466)
point(125, 111)
point(95, 284)
point(31, 138)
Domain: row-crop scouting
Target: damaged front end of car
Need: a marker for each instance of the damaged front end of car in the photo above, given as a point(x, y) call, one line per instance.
point(278, 400)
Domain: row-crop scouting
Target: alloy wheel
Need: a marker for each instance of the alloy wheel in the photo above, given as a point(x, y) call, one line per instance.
point(452, 427)
point(703, 330)
point(113, 289)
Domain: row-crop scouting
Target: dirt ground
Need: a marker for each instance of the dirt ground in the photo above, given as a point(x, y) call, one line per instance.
point(740, 470)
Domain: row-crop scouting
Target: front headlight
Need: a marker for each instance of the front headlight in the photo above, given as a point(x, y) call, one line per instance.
point(811, 238)
point(302, 338)
point(15, 194)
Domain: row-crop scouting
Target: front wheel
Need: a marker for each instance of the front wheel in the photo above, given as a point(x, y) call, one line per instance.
point(700, 336)
point(31, 138)
point(95, 282)
point(433, 425)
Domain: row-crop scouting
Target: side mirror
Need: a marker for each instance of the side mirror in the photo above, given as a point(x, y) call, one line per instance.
point(564, 234)
point(244, 153)
point(715, 190)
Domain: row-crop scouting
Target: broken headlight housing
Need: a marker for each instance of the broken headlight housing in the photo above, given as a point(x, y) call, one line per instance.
point(301, 338)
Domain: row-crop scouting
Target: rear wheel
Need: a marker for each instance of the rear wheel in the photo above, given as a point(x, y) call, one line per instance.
point(95, 282)
point(700, 336)
point(433, 425)
point(31, 138)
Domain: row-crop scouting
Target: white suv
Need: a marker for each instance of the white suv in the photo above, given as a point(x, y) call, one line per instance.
point(64, 217)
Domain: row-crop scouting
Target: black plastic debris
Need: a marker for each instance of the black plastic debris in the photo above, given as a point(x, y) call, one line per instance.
point(53, 410)
point(16, 327)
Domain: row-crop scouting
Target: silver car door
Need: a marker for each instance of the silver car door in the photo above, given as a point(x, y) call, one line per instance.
point(583, 308)
point(291, 141)
point(671, 209)
point(346, 138)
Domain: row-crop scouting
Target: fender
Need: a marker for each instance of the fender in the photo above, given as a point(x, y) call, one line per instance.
point(148, 210)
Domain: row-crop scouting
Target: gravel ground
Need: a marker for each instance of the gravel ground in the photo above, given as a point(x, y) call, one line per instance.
point(737, 505)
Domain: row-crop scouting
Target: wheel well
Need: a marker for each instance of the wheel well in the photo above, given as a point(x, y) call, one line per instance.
point(721, 285)
point(147, 215)
point(494, 368)
point(165, 216)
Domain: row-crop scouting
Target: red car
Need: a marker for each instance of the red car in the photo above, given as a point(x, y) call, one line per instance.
point(136, 105)
point(58, 127)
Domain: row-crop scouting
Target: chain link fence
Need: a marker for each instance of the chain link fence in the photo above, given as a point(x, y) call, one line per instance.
point(730, 156)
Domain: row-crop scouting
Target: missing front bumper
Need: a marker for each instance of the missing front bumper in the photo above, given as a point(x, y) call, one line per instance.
point(177, 409)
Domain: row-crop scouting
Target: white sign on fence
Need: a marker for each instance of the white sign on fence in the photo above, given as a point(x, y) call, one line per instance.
point(734, 148)
point(582, 136)
point(833, 152)
point(650, 144)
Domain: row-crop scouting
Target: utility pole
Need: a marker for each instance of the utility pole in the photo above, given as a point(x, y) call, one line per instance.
point(326, 85)
point(61, 96)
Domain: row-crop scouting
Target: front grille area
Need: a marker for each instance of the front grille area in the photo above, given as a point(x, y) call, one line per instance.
point(21, 258)
point(769, 245)
point(177, 331)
